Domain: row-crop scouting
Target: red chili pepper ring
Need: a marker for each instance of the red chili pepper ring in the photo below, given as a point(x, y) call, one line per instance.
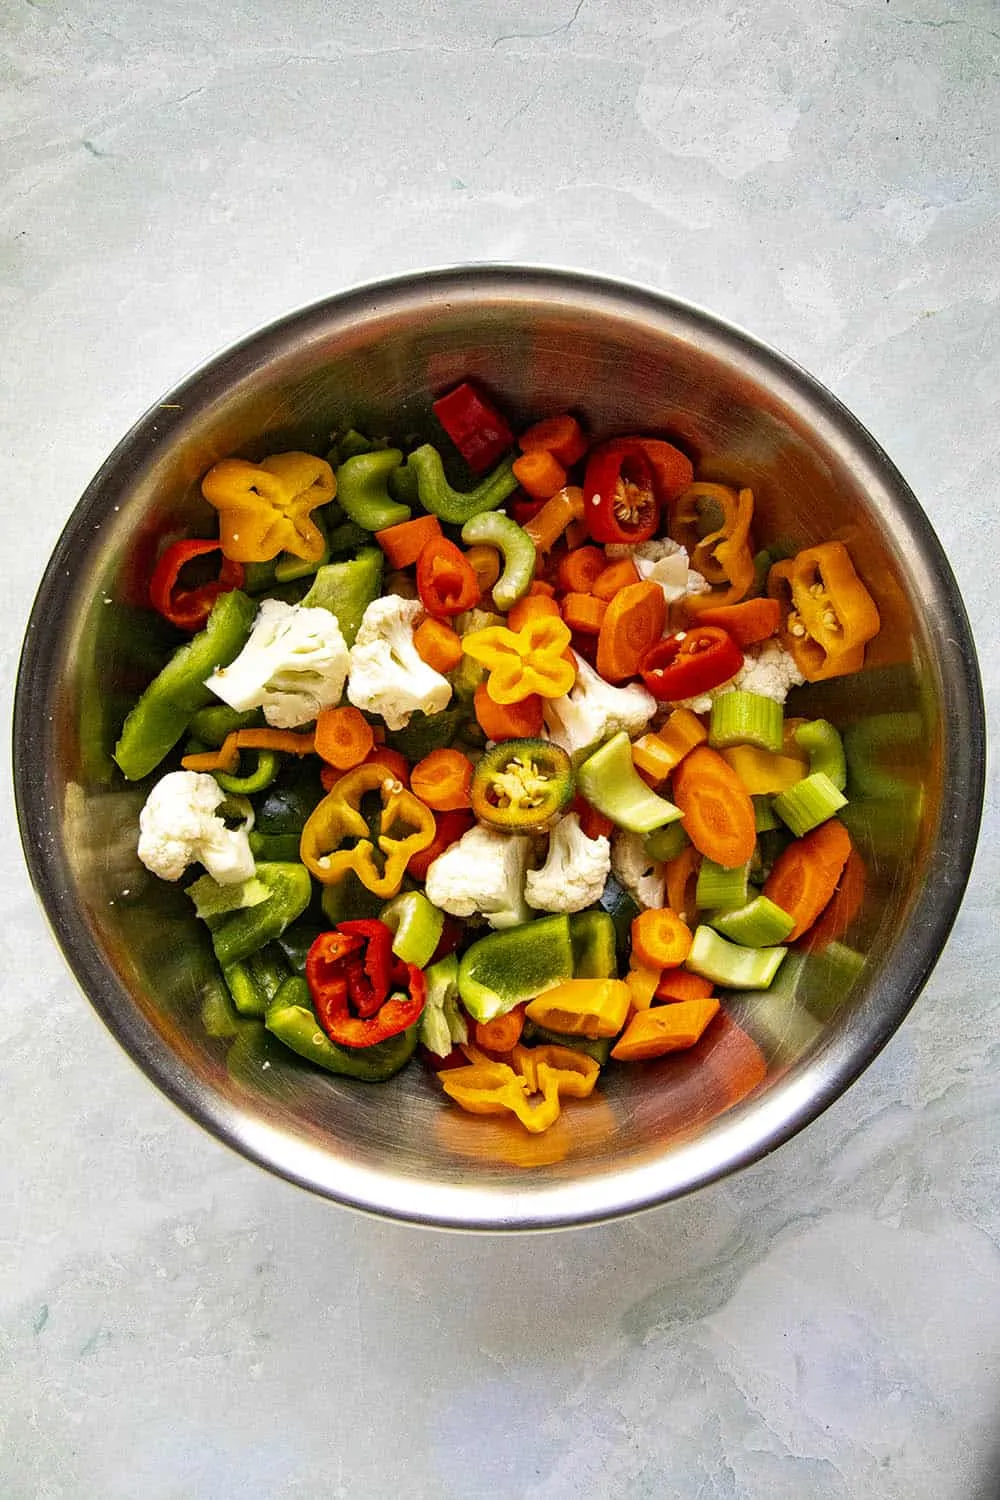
point(690, 662)
point(363, 994)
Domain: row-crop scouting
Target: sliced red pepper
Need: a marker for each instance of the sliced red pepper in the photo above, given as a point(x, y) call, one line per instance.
point(477, 429)
point(446, 580)
point(619, 497)
point(188, 609)
point(362, 993)
point(450, 828)
point(690, 662)
point(672, 470)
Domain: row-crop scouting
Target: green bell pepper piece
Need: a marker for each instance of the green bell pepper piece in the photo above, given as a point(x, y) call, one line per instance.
point(254, 982)
point(515, 547)
point(348, 537)
point(456, 507)
point(500, 970)
point(351, 444)
point(211, 725)
point(163, 713)
point(296, 941)
point(403, 486)
point(347, 588)
point(241, 933)
point(258, 780)
point(610, 782)
point(214, 900)
point(291, 1018)
point(416, 926)
point(592, 934)
point(275, 848)
point(426, 732)
point(598, 1047)
point(363, 490)
point(442, 1025)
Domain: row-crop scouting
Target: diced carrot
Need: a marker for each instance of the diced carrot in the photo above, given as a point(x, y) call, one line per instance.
point(584, 612)
point(563, 437)
point(343, 737)
point(442, 780)
point(681, 984)
point(531, 607)
point(547, 527)
point(748, 623)
point(503, 1033)
point(404, 543)
point(540, 474)
point(438, 645)
point(617, 575)
point(718, 812)
point(660, 939)
point(806, 874)
point(508, 721)
point(540, 589)
point(577, 534)
point(663, 1029)
point(634, 621)
point(580, 569)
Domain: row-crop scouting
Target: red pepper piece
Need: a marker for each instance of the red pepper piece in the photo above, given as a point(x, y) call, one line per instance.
point(446, 580)
point(450, 828)
point(477, 429)
point(362, 1000)
point(619, 497)
point(690, 662)
point(188, 609)
point(672, 470)
point(523, 509)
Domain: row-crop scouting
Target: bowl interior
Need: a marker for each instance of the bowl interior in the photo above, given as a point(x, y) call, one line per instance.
point(623, 360)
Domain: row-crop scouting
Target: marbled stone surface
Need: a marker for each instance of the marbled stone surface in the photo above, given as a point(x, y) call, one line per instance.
point(177, 1324)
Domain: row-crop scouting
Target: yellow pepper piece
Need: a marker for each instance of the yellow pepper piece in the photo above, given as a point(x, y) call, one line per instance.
point(828, 614)
point(266, 508)
point(582, 1007)
point(492, 1088)
point(724, 556)
point(521, 662)
point(338, 817)
point(762, 772)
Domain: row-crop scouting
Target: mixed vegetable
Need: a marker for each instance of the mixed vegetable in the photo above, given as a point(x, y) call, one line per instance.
point(502, 772)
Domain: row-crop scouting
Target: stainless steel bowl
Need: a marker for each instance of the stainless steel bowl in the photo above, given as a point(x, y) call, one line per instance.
point(627, 359)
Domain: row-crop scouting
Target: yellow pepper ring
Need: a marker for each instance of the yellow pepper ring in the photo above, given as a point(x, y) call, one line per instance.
point(338, 817)
point(266, 508)
point(491, 1088)
point(526, 661)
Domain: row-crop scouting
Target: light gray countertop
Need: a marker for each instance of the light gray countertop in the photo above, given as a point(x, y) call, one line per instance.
point(174, 1322)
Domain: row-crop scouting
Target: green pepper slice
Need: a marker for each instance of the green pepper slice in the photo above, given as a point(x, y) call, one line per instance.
point(347, 588)
point(242, 933)
point(254, 982)
point(291, 1018)
point(520, 786)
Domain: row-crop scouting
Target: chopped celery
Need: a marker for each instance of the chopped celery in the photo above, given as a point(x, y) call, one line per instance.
point(728, 964)
point(808, 803)
point(665, 843)
point(759, 924)
point(609, 781)
point(719, 889)
point(763, 814)
point(825, 750)
point(740, 718)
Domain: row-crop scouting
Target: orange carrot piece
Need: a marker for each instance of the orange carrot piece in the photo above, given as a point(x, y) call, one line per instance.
point(660, 939)
point(563, 437)
point(634, 622)
point(227, 757)
point(580, 569)
point(442, 780)
point(539, 474)
point(508, 721)
point(718, 812)
point(840, 911)
point(748, 623)
point(343, 737)
point(805, 876)
point(681, 984)
point(404, 543)
point(547, 527)
point(485, 563)
point(438, 645)
point(531, 607)
point(617, 575)
point(539, 589)
point(577, 535)
point(584, 612)
point(503, 1033)
point(681, 733)
point(663, 1029)
point(682, 882)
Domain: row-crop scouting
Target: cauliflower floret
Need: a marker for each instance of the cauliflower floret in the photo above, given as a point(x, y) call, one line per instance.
point(292, 666)
point(484, 872)
point(178, 826)
point(768, 670)
point(642, 877)
point(386, 675)
point(575, 870)
point(592, 711)
point(665, 562)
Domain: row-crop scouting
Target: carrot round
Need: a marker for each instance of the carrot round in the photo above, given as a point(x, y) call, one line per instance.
point(718, 812)
point(343, 737)
point(634, 622)
point(748, 623)
point(580, 569)
point(562, 436)
point(404, 543)
point(503, 1033)
point(394, 761)
point(531, 607)
point(806, 874)
point(660, 939)
point(508, 721)
point(442, 780)
point(616, 576)
point(584, 612)
point(438, 645)
point(681, 984)
point(841, 909)
point(540, 474)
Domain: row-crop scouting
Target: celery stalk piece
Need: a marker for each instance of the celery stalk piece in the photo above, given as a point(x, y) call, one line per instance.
point(609, 781)
point(719, 888)
point(740, 718)
point(763, 814)
point(825, 749)
point(729, 964)
point(759, 924)
point(808, 803)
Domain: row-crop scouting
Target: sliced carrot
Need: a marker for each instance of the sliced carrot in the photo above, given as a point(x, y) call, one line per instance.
point(485, 563)
point(539, 473)
point(634, 622)
point(660, 939)
point(580, 569)
point(577, 535)
point(663, 1029)
point(442, 780)
point(404, 543)
point(438, 645)
point(563, 437)
point(593, 824)
point(805, 876)
point(748, 623)
point(503, 1033)
point(547, 527)
point(508, 721)
point(343, 737)
point(682, 882)
point(718, 812)
point(840, 911)
point(584, 612)
point(531, 607)
point(227, 757)
point(617, 575)
point(681, 984)
point(541, 590)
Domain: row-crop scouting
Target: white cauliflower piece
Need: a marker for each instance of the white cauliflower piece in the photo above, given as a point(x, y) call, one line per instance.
point(768, 669)
point(575, 869)
point(293, 665)
point(484, 872)
point(386, 674)
point(665, 562)
point(179, 825)
point(592, 711)
point(642, 877)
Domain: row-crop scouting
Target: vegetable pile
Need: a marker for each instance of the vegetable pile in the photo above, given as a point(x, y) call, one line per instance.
point(502, 771)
